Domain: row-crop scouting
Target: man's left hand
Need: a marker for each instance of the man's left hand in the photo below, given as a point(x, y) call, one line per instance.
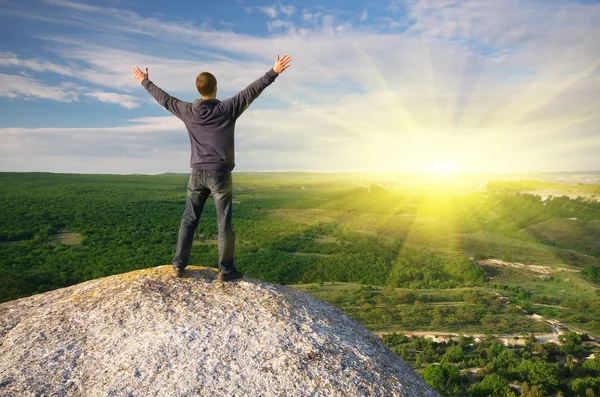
point(138, 74)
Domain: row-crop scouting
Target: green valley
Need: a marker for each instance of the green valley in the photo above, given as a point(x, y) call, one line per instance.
point(482, 285)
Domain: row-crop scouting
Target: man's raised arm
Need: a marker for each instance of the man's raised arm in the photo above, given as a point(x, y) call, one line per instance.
point(237, 104)
point(167, 101)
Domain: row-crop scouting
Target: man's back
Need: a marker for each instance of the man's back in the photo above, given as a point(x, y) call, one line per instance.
point(211, 123)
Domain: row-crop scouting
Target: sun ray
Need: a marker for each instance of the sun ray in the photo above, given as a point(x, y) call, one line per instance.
point(400, 117)
point(556, 92)
point(525, 104)
point(549, 146)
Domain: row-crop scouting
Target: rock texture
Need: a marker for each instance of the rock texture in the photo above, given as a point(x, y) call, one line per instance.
point(146, 333)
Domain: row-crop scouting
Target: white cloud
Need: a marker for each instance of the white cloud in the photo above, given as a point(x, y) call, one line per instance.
point(328, 20)
point(74, 5)
point(146, 145)
point(113, 68)
point(35, 17)
point(510, 22)
point(279, 23)
point(13, 86)
point(121, 20)
point(287, 10)
point(229, 25)
point(126, 101)
point(270, 11)
point(364, 16)
point(39, 65)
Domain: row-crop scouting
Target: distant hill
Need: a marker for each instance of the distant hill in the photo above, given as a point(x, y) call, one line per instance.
point(365, 198)
point(583, 236)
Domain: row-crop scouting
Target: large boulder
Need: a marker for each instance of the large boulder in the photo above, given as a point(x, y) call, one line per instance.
point(147, 333)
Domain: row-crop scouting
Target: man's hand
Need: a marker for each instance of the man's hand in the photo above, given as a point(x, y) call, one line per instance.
point(282, 63)
point(138, 74)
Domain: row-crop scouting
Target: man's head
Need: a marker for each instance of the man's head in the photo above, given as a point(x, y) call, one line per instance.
point(206, 84)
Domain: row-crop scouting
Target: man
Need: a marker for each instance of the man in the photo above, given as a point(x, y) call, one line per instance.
point(210, 124)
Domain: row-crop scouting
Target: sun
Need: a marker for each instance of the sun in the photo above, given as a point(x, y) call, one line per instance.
point(442, 167)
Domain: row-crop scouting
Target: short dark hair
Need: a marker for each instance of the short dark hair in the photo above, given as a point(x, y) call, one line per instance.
point(206, 83)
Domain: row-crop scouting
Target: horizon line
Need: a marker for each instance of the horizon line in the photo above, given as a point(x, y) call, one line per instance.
point(320, 172)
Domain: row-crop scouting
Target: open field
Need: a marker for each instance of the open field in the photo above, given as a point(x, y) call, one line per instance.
point(68, 238)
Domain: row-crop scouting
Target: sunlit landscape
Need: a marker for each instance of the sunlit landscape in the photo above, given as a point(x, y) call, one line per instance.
point(430, 168)
point(442, 266)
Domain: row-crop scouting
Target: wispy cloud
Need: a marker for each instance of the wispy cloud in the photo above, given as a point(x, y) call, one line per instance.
point(12, 86)
point(121, 20)
point(39, 65)
point(126, 101)
point(287, 10)
point(147, 145)
point(270, 11)
point(279, 23)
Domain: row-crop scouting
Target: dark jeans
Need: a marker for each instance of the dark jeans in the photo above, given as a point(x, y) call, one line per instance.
point(200, 186)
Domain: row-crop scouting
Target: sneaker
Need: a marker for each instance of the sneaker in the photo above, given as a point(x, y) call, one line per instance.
point(177, 271)
point(234, 275)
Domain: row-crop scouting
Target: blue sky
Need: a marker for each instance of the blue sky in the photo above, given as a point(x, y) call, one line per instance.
point(384, 86)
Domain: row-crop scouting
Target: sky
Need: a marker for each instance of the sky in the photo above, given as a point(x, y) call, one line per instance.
point(374, 86)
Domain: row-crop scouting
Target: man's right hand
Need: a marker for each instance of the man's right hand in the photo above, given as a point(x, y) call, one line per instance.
point(282, 63)
point(138, 74)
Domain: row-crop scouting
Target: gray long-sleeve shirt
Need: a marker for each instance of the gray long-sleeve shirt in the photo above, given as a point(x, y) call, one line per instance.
point(211, 123)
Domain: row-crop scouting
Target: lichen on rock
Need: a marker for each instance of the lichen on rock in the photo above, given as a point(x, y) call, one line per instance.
point(146, 333)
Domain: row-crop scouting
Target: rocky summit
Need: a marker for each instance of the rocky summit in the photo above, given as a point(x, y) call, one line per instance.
point(147, 333)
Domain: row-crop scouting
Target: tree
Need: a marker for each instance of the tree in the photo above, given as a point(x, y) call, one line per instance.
point(571, 342)
point(539, 373)
point(590, 393)
point(582, 385)
point(454, 354)
point(531, 391)
point(505, 361)
point(451, 373)
point(492, 385)
point(591, 272)
point(442, 377)
point(592, 365)
point(433, 374)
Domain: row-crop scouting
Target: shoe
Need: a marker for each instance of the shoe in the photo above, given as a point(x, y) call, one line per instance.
point(234, 275)
point(177, 271)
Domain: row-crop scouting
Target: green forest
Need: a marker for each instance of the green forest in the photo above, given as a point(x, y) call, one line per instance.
point(487, 367)
point(397, 253)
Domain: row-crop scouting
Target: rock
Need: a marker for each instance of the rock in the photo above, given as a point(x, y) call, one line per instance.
point(147, 333)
